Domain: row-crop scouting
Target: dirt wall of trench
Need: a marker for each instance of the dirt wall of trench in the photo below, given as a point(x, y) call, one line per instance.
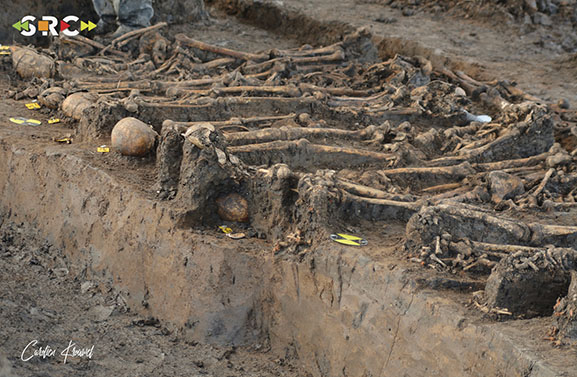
point(110, 232)
point(348, 315)
point(340, 312)
point(289, 21)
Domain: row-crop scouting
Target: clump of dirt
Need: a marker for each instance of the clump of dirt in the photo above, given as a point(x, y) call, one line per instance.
point(565, 314)
point(529, 284)
point(207, 172)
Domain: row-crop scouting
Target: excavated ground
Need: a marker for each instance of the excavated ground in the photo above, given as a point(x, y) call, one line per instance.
point(53, 297)
point(94, 223)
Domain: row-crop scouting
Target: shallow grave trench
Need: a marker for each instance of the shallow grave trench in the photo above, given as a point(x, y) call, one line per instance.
point(316, 141)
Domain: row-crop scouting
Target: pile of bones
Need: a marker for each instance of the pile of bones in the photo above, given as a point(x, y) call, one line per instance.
point(312, 139)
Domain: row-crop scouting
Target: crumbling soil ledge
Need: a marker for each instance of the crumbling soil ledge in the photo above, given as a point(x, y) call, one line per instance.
point(319, 29)
point(112, 231)
point(478, 49)
point(340, 312)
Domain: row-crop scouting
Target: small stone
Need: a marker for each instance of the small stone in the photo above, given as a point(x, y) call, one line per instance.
point(385, 20)
point(542, 19)
point(563, 103)
point(407, 12)
point(86, 286)
point(527, 20)
point(100, 313)
point(460, 92)
point(220, 155)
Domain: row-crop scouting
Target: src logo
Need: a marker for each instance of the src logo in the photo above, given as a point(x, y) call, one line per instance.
point(49, 25)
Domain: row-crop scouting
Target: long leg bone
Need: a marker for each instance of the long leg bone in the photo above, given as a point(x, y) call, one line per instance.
point(420, 177)
point(251, 121)
point(516, 163)
point(370, 192)
point(226, 107)
point(234, 123)
point(219, 50)
point(307, 53)
point(294, 133)
point(99, 46)
point(125, 38)
point(523, 140)
point(378, 209)
point(471, 222)
point(336, 56)
point(303, 154)
point(288, 91)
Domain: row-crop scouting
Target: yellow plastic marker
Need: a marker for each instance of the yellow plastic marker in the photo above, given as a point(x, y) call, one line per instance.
point(225, 229)
point(33, 106)
point(53, 120)
point(25, 121)
point(66, 140)
point(347, 239)
point(103, 149)
point(5, 50)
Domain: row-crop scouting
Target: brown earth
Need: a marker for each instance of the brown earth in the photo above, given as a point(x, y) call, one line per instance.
point(489, 45)
point(44, 297)
point(40, 299)
point(534, 56)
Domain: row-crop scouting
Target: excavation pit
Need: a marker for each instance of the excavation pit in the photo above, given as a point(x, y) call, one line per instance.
point(345, 142)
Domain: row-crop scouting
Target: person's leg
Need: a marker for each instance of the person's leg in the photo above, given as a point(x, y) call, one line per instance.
point(107, 14)
point(134, 13)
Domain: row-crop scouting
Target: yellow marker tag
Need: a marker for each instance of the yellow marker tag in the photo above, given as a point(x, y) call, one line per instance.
point(25, 121)
point(53, 120)
point(4, 47)
point(347, 239)
point(103, 149)
point(225, 229)
point(64, 140)
point(18, 120)
point(33, 106)
point(4, 52)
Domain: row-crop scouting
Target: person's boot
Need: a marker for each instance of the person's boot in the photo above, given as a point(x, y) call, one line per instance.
point(123, 29)
point(105, 25)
